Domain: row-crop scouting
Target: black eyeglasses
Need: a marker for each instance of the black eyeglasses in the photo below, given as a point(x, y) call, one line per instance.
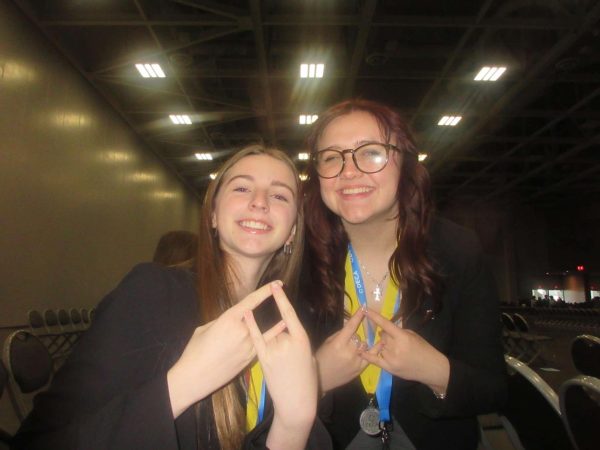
point(368, 158)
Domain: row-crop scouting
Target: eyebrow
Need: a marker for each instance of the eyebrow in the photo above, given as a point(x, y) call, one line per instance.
point(273, 183)
point(357, 143)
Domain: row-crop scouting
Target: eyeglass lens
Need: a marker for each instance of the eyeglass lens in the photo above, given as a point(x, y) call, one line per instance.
point(369, 158)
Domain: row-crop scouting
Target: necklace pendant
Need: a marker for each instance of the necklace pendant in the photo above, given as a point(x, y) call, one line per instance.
point(377, 293)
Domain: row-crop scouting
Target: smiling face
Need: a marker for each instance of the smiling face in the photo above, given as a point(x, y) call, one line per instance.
point(359, 198)
point(256, 207)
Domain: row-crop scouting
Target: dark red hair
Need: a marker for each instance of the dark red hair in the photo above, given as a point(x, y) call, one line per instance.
point(410, 265)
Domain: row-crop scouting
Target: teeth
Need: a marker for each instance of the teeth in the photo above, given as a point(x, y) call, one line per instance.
point(357, 190)
point(253, 224)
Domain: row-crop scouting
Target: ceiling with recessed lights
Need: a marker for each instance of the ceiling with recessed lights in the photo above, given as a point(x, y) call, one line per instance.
point(229, 74)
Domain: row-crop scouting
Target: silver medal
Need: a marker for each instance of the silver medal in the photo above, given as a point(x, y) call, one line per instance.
point(369, 421)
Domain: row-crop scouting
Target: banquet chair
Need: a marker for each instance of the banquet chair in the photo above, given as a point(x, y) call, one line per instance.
point(531, 416)
point(29, 367)
point(580, 407)
point(585, 351)
point(511, 337)
point(532, 342)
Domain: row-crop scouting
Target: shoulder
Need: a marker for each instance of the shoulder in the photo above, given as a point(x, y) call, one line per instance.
point(447, 237)
point(454, 248)
point(147, 277)
point(151, 289)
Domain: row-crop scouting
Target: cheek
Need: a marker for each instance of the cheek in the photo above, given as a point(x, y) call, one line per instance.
point(327, 188)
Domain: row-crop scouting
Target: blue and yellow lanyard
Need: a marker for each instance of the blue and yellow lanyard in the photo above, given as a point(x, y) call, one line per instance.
point(373, 378)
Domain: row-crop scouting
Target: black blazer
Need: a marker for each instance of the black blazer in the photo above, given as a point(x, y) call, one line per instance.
point(466, 329)
point(112, 391)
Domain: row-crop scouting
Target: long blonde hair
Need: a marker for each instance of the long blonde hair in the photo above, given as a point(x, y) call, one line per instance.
point(215, 281)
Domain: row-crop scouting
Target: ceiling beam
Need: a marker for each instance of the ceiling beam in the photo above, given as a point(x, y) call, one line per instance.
point(213, 7)
point(451, 59)
point(261, 53)
point(592, 170)
point(595, 140)
point(204, 36)
point(203, 98)
point(533, 137)
point(325, 20)
point(510, 97)
point(359, 47)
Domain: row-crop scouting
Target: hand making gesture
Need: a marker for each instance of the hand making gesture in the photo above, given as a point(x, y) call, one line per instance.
point(339, 357)
point(216, 353)
point(407, 355)
point(290, 375)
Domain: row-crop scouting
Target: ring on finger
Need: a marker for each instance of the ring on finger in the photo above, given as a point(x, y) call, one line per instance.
point(356, 340)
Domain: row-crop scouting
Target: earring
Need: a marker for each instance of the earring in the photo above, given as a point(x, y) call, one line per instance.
point(287, 248)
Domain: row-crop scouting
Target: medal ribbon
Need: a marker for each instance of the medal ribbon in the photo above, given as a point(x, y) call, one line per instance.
point(373, 378)
point(255, 398)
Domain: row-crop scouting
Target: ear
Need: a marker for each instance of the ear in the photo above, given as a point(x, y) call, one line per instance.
point(292, 234)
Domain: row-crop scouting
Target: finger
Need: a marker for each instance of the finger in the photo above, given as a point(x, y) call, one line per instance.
point(376, 359)
point(252, 300)
point(384, 338)
point(385, 324)
point(274, 331)
point(287, 310)
point(377, 348)
point(352, 325)
point(255, 334)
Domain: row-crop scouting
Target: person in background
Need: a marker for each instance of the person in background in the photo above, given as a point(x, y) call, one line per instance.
point(176, 248)
point(170, 360)
point(399, 302)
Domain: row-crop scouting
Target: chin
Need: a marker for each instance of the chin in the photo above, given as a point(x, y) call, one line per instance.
point(355, 218)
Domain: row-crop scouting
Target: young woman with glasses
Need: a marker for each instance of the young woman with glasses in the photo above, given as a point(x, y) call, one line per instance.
point(399, 302)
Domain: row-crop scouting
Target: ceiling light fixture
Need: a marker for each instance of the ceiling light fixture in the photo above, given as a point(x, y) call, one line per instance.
point(488, 73)
point(422, 156)
point(150, 70)
point(312, 70)
point(180, 119)
point(213, 175)
point(449, 121)
point(307, 119)
point(303, 156)
point(203, 156)
point(303, 177)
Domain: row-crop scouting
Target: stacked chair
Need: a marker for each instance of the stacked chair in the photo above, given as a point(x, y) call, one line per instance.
point(580, 396)
point(532, 416)
point(519, 341)
point(59, 330)
point(31, 356)
point(29, 367)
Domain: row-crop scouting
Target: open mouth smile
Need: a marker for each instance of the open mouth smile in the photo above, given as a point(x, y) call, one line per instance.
point(254, 225)
point(356, 190)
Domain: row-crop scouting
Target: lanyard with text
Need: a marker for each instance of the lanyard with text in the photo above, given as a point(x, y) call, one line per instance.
point(255, 403)
point(372, 374)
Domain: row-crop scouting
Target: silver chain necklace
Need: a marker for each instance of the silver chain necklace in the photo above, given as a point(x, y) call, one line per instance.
point(378, 291)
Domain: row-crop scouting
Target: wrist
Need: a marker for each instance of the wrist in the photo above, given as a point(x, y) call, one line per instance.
point(184, 390)
point(288, 435)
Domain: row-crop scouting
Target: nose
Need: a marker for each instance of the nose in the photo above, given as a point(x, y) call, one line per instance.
point(350, 170)
point(259, 201)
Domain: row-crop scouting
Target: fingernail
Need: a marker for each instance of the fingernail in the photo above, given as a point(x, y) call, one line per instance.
point(277, 283)
point(364, 308)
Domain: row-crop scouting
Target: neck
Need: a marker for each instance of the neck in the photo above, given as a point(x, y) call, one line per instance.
point(373, 240)
point(246, 275)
